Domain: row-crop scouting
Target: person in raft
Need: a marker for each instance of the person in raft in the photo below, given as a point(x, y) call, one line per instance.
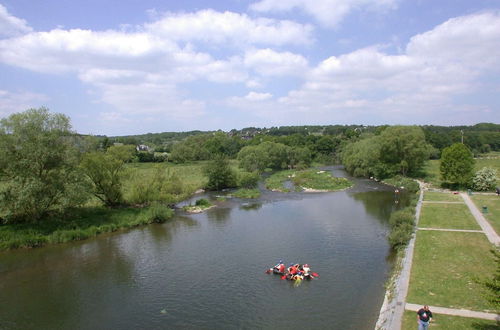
point(292, 270)
point(280, 267)
point(306, 270)
point(424, 317)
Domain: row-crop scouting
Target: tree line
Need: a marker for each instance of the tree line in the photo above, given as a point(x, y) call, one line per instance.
point(47, 167)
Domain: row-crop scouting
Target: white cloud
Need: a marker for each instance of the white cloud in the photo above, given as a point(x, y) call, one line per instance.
point(268, 62)
point(328, 12)
point(11, 102)
point(11, 26)
point(211, 26)
point(423, 84)
point(253, 96)
point(140, 69)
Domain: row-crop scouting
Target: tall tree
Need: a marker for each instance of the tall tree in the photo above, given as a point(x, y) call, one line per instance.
point(403, 149)
point(38, 165)
point(457, 164)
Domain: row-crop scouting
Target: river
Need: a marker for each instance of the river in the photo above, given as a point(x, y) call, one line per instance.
point(207, 270)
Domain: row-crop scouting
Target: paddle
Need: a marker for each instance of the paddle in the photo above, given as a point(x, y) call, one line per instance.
point(268, 271)
point(315, 274)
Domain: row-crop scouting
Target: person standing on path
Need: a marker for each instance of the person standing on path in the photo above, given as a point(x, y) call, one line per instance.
point(424, 317)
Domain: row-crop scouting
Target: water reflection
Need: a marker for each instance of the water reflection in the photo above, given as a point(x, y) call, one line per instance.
point(219, 214)
point(250, 206)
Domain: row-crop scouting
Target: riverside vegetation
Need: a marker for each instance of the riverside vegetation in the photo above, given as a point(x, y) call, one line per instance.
point(53, 180)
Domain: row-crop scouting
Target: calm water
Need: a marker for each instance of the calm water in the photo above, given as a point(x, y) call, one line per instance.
point(206, 271)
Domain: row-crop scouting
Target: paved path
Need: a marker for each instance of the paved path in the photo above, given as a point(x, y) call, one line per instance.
point(459, 230)
point(485, 225)
point(391, 313)
point(456, 312)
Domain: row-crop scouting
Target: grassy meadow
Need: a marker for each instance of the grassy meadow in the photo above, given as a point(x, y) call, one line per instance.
point(447, 216)
point(445, 266)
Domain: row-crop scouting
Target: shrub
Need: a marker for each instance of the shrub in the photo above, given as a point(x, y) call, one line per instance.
point(400, 236)
point(401, 217)
point(159, 213)
point(485, 179)
point(248, 179)
point(202, 202)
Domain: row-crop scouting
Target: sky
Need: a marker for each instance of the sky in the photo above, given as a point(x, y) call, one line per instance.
point(123, 67)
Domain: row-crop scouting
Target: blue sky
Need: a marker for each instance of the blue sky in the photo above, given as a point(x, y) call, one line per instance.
point(131, 67)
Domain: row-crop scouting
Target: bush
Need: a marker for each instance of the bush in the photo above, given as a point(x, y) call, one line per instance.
point(202, 202)
point(402, 217)
point(248, 179)
point(485, 179)
point(159, 213)
point(400, 236)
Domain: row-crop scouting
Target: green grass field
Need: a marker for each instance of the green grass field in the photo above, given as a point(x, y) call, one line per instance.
point(448, 216)
point(445, 266)
point(449, 322)
point(442, 197)
point(492, 202)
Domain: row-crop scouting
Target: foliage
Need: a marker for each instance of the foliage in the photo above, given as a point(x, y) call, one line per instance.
point(361, 158)
point(273, 155)
point(220, 174)
point(402, 224)
point(485, 179)
point(159, 185)
point(403, 149)
point(248, 179)
point(104, 169)
point(81, 224)
point(38, 166)
point(307, 179)
point(457, 164)
point(319, 180)
point(402, 182)
point(202, 202)
point(247, 193)
point(396, 150)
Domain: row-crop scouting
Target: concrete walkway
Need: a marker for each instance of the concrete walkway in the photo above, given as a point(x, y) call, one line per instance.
point(456, 312)
point(391, 313)
point(485, 225)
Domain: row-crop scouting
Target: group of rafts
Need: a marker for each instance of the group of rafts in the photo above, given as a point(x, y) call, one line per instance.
point(294, 272)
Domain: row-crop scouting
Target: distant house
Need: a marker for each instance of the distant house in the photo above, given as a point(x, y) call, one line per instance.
point(142, 147)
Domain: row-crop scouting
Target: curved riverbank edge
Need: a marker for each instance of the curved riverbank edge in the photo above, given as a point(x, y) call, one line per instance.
point(393, 307)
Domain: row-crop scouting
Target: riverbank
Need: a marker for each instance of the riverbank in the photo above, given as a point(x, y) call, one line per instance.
point(80, 224)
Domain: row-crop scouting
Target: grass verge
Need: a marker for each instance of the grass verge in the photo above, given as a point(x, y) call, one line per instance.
point(442, 197)
point(492, 202)
point(449, 322)
point(83, 223)
point(445, 266)
point(447, 216)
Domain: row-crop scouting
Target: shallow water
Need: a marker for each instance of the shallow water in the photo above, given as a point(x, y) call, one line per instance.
point(206, 271)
